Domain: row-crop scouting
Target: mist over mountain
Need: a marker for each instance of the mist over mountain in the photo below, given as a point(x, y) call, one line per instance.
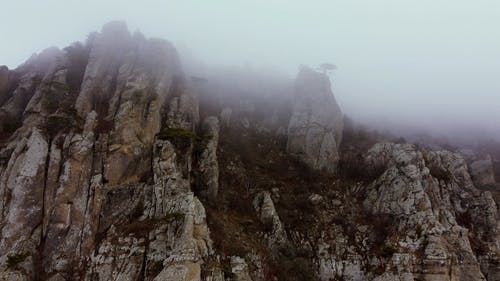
point(277, 140)
point(426, 65)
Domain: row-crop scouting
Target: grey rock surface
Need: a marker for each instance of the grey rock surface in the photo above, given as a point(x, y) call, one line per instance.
point(315, 127)
point(208, 166)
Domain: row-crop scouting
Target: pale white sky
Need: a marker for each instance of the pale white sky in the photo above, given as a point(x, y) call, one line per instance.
point(428, 61)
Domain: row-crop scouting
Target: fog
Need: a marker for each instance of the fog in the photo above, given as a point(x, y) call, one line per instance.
point(413, 65)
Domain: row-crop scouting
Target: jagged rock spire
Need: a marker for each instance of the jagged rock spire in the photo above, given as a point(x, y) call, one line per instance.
point(315, 128)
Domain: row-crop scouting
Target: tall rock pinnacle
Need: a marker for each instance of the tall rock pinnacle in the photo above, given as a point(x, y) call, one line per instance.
point(315, 128)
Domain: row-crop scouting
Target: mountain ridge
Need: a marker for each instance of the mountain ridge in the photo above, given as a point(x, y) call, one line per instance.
point(116, 165)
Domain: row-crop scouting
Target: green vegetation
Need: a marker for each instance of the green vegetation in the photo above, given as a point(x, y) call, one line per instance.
point(386, 251)
point(352, 166)
point(15, 259)
point(171, 217)
point(145, 226)
point(176, 133)
point(228, 273)
point(72, 113)
point(294, 264)
point(56, 124)
point(183, 138)
point(382, 228)
point(65, 122)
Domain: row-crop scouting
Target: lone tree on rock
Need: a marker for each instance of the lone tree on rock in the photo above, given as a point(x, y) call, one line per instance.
point(327, 67)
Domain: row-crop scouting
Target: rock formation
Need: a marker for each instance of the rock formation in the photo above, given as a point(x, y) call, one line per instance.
point(315, 128)
point(482, 171)
point(96, 185)
point(429, 194)
point(208, 166)
point(113, 167)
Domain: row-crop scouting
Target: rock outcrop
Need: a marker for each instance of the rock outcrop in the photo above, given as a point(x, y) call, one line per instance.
point(315, 128)
point(208, 166)
point(437, 211)
point(268, 215)
point(6, 78)
point(96, 182)
point(482, 172)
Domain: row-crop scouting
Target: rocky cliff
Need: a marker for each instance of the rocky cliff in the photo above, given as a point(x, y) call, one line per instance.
point(116, 165)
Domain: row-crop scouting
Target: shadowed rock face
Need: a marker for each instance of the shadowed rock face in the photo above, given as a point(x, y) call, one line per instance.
point(482, 172)
point(315, 128)
point(107, 165)
point(5, 83)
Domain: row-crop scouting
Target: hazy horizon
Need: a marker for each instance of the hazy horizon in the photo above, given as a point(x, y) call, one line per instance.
point(428, 64)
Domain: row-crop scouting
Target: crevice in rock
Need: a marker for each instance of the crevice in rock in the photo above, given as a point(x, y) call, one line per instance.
point(39, 262)
point(90, 194)
point(78, 58)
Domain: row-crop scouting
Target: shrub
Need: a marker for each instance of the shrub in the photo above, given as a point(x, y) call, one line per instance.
point(171, 217)
point(143, 227)
point(382, 227)
point(57, 124)
point(464, 219)
point(353, 167)
point(181, 138)
point(176, 133)
point(228, 273)
point(155, 268)
point(138, 210)
point(386, 251)
point(15, 259)
point(66, 121)
point(71, 112)
point(296, 268)
point(307, 173)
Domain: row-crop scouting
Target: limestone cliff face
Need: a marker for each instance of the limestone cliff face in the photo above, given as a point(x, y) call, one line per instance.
point(113, 167)
point(430, 193)
point(89, 188)
point(315, 128)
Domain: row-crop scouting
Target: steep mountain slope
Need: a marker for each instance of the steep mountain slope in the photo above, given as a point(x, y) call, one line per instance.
point(116, 165)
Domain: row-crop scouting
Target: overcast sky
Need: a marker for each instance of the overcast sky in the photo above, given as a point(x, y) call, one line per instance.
point(428, 61)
